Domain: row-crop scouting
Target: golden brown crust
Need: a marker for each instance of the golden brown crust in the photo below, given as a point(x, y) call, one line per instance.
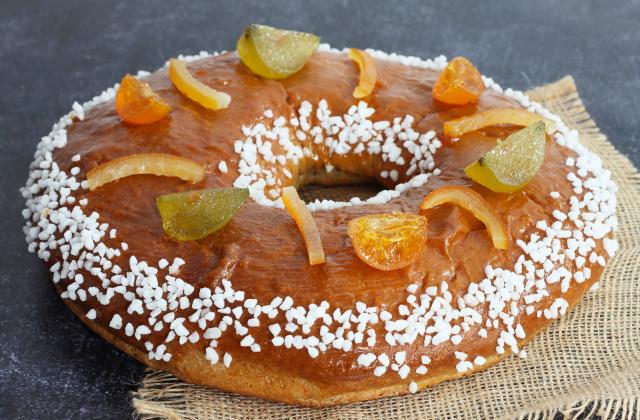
point(261, 251)
point(273, 384)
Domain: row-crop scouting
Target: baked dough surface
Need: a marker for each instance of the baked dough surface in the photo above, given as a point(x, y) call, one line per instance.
point(471, 306)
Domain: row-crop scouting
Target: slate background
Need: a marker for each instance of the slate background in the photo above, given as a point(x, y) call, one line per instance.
point(55, 52)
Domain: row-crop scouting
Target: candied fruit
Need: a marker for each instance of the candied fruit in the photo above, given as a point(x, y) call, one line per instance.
point(137, 103)
point(474, 203)
point(194, 89)
point(303, 218)
point(513, 163)
point(275, 53)
point(193, 215)
point(388, 241)
point(161, 164)
point(512, 116)
point(459, 83)
point(368, 73)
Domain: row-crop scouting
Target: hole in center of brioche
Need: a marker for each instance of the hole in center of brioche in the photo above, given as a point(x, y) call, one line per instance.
point(336, 185)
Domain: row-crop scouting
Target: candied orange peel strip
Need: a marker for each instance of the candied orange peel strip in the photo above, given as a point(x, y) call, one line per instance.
point(137, 103)
point(368, 73)
point(459, 83)
point(303, 218)
point(388, 241)
point(513, 116)
point(474, 203)
point(161, 164)
point(195, 89)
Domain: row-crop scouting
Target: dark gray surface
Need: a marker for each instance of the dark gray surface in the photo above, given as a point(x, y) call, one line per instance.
point(52, 53)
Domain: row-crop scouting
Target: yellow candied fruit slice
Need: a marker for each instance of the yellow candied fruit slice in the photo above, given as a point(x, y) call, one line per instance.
point(388, 241)
point(513, 116)
point(474, 203)
point(193, 215)
point(195, 90)
point(368, 73)
point(303, 218)
point(513, 163)
point(137, 103)
point(275, 53)
point(161, 164)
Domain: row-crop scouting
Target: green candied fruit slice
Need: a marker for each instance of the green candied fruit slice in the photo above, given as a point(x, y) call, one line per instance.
point(513, 163)
point(192, 215)
point(275, 53)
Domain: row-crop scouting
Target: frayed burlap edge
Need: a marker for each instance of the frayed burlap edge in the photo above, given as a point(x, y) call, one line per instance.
point(586, 365)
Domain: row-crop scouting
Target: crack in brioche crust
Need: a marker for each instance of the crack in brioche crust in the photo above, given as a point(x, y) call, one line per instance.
point(241, 310)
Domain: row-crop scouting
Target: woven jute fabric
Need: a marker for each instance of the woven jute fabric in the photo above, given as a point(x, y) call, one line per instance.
point(587, 364)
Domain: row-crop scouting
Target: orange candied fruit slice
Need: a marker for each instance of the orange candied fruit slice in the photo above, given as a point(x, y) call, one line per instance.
point(303, 218)
point(194, 89)
point(368, 73)
point(474, 203)
point(513, 116)
point(388, 241)
point(161, 164)
point(459, 83)
point(137, 103)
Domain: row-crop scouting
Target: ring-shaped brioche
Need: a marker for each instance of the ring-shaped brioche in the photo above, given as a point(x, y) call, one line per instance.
point(242, 310)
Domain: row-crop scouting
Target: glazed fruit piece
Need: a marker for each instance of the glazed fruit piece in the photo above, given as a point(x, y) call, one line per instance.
point(459, 83)
point(303, 218)
point(137, 103)
point(161, 164)
point(194, 89)
point(388, 241)
point(513, 163)
point(474, 203)
point(368, 74)
point(512, 116)
point(275, 53)
point(193, 215)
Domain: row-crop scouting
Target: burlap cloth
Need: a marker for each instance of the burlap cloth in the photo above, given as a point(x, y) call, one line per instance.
point(586, 365)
